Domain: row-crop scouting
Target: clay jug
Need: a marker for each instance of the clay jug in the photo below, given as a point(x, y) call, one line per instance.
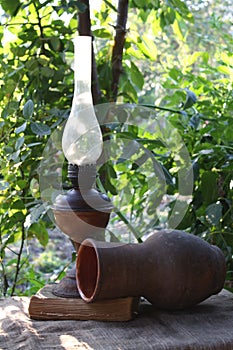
point(171, 269)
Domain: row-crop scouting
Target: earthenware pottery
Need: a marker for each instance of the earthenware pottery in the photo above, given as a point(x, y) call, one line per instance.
point(171, 269)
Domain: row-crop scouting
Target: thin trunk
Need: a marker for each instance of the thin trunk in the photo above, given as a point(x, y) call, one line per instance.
point(119, 42)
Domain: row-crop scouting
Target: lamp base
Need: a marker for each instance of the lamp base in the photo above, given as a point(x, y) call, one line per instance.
point(80, 213)
point(67, 287)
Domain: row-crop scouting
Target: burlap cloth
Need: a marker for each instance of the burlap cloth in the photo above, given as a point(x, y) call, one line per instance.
point(208, 325)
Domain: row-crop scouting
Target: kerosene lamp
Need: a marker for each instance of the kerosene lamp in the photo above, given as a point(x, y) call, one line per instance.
point(82, 211)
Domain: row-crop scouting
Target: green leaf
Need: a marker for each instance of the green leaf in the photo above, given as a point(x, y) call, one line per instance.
point(11, 6)
point(40, 129)
point(19, 143)
point(12, 262)
point(109, 187)
point(214, 213)
point(22, 184)
point(209, 187)
point(77, 4)
point(17, 217)
point(101, 33)
point(39, 230)
point(47, 72)
point(28, 109)
point(4, 185)
point(191, 99)
point(8, 149)
point(10, 86)
point(21, 128)
point(140, 3)
point(225, 70)
point(195, 121)
point(13, 237)
point(148, 47)
point(179, 6)
point(176, 74)
point(36, 214)
point(136, 76)
point(187, 220)
point(111, 171)
point(18, 204)
point(178, 30)
point(55, 43)
point(170, 16)
point(168, 177)
point(15, 156)
point(130, 91)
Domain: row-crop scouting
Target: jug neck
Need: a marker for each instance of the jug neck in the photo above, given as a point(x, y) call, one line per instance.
point(115, 271)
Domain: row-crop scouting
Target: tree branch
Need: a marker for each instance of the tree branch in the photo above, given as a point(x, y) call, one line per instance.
point(18, 267)
point(5, 284)
point(119, 42)
point(84, 28)
point(40, 28)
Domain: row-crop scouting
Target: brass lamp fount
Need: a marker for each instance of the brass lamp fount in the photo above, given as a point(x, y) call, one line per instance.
point(82, 211)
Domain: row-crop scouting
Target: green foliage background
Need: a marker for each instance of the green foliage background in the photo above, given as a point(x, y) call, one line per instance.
point(177, 60)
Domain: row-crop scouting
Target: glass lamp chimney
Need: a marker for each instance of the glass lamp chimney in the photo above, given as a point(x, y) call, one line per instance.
point(82, 138)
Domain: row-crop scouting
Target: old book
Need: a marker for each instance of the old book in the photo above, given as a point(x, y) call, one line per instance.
point(46, 306)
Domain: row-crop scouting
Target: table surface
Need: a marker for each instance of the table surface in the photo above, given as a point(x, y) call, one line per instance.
point(208, 325)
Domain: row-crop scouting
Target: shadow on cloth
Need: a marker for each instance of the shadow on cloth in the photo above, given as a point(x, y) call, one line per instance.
point(208, 325)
